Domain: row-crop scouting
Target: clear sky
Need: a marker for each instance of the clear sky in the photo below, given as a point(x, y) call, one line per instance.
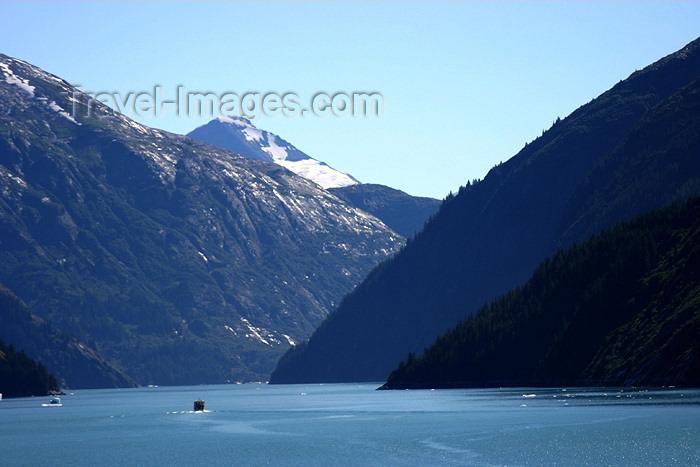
point(464, 84)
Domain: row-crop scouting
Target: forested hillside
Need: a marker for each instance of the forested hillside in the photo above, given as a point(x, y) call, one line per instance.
point(632, 149)
point(78, 364)
point(620, 309)
point(21, 376)
point(403, 213)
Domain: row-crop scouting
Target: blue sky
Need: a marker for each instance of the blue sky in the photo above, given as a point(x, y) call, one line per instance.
point(465, 84)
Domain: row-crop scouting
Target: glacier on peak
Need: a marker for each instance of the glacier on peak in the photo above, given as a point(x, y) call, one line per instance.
point(240, 135)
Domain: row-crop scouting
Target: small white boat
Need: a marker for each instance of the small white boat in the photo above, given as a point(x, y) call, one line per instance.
point(53, 402)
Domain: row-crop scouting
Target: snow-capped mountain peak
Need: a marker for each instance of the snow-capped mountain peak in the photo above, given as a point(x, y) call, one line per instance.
point(249, 130)
point(240, 135)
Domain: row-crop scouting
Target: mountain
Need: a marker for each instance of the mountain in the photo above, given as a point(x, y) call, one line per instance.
point(242, 137)
point(21, 376)
point(403, 213)
point(631, 150)
point(622, 308)
point(77, 362)
point(177, 261)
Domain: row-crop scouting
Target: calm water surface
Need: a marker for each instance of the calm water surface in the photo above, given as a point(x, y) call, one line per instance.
point(354, 425)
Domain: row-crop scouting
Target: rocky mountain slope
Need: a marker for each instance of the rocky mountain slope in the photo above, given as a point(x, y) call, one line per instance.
point(403, 213)
point(77, 362)
point(632, 149)
point(178, 261)
point(239, 135)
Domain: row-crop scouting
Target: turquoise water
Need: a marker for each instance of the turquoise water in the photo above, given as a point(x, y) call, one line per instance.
point(351, 424)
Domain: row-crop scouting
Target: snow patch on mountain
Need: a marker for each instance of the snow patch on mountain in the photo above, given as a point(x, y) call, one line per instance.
point(319, 172)
point(263, 335)
point(11, 78)
point(290, 341)
point(260, 144)
point(23, 83)
point(277, 152)
point(58, 109)
point(248, 129)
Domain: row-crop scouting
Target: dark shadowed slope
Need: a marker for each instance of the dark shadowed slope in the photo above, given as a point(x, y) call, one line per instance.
point(20, 376)
point(403, 213)
point(620, 309)
point(490, 236)
point(76, 362)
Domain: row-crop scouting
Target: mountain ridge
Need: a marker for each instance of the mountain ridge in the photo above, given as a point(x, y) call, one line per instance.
point(620, 309)
point(489, 237)
point(76, 362)
point(21, 376)
point(260, 144)
point(184, 263)
point(403, 213)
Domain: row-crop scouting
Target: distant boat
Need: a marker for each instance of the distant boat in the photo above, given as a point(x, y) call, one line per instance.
point(53, 402)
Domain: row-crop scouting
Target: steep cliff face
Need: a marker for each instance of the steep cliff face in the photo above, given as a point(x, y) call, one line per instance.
point(181, 261)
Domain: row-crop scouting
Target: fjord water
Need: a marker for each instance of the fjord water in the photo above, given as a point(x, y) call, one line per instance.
point(352, 424)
